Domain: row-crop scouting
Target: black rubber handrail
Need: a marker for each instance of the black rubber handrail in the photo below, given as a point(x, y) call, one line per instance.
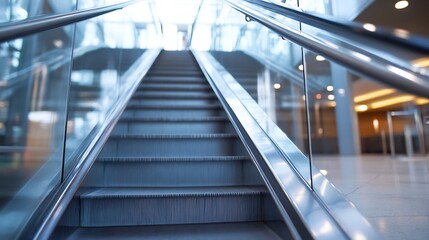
point(347, 28)
point(18, 29)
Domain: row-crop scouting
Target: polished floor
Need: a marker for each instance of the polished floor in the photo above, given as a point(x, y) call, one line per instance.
point(391, 192)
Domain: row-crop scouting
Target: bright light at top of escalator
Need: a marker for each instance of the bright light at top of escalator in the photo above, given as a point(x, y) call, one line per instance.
point(401, 4)
point(320, 58)
point(370, 27)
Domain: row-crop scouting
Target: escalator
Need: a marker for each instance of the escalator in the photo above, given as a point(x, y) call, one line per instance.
point(173, 166)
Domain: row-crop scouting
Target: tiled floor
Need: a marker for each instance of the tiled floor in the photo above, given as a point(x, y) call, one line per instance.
point(392, 192)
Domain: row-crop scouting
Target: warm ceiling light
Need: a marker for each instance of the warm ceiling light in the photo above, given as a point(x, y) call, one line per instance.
point(422, 101)
point(372, 95)
point(277, 86)
point(401, 4)
point(332, 104)
point(320, 58)
point(376, 125)
point(421, 62)
point(392, 101)
point(318, 96)
point(329, 88)
point(361, 108)
point(370, 27)
point(301, 67)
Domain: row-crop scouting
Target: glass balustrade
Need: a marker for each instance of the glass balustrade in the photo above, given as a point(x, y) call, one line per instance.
point(57, 88)
point(369, 138)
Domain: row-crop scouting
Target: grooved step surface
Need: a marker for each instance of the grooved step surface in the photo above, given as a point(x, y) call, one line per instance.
point(176, 101)
point(179, 119)
point(173, 145)
point(173, 158)
point(177, 127)
point(175, 87)
point(174, 107)
point(155, 206)
point(123, 192)
point(219, 231)
point(168, 95)
point(167, 172)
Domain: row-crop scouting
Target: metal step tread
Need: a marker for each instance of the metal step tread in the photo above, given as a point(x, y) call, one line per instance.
point(148, 95)
point(213, 231)
point(177, 86)
point(176, 107)
point(174, 119)
point(170, 192)
point(173, 159)
point(174, 81)
point(175, 136)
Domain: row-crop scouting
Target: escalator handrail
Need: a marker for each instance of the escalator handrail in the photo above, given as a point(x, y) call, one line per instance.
point(18, 29)
point(379, 68)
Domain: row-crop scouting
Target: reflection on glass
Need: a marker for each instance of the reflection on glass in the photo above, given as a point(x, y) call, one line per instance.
point(105, 48)
point(34, 82)
point(268, 68)
point(369, 139)
point(22, 9)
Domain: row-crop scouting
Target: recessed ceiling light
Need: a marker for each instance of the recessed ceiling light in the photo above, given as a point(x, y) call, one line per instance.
point(277, 86)
point(370, 27)
point(331, 97)
point(330, 88)
point(401, 4)
point(320, 58)
point(361, 108)
point(301, 67)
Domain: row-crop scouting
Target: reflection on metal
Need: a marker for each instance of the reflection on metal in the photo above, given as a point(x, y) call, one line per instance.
point(415, 116)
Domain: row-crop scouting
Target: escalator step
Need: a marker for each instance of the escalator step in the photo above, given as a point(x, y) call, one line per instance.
point(154, 206)
point(167, 171)
point(216, 231)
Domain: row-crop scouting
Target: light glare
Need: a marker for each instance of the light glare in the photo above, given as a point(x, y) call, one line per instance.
point(401, 4)
point(320, 58)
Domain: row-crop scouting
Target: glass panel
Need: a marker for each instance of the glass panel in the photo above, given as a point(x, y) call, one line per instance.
point(267, 67)
point(34, 74)
point(15, 10)
point(105, 48)
point(369, 140)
